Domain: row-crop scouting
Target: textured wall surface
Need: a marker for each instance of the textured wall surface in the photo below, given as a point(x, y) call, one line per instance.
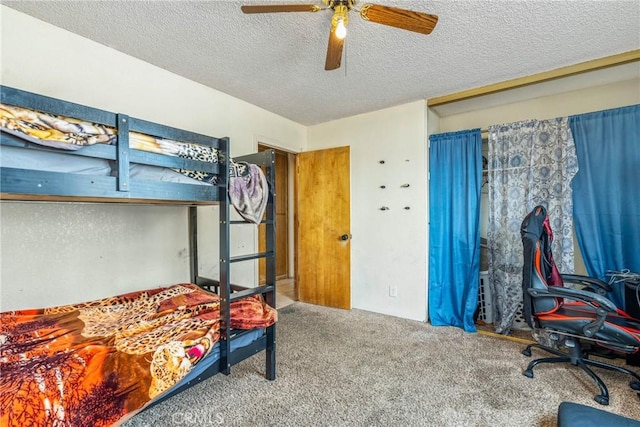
point(61, 253)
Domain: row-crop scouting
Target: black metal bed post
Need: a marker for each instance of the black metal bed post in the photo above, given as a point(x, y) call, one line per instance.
point(193, 243)
point(225, 282)
point(270, 271)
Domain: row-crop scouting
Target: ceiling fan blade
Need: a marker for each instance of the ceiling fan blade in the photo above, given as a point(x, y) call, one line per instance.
point(400, 18)
point(272, 8)
point(334, 51)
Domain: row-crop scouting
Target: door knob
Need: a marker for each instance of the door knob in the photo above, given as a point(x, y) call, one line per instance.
point(344, 237)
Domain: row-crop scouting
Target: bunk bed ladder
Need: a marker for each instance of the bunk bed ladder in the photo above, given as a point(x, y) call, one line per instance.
point(227, 291)
point(265, 159)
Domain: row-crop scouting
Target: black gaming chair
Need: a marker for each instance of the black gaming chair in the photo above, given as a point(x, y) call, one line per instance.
point(580, 319)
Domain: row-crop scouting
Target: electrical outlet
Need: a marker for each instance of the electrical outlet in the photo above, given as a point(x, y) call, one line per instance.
point(393, 291)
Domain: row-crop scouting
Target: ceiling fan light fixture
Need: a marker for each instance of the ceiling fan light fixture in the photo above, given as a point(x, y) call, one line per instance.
point(341, 29)
point(339, 21)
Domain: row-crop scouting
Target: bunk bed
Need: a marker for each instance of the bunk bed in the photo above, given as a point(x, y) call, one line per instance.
point(129, 352)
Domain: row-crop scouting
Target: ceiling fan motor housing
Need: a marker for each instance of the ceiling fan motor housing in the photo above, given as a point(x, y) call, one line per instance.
point(340, 12)
point(332, 4)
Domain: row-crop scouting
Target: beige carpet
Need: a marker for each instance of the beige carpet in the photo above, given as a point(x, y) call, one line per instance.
point(355, 368)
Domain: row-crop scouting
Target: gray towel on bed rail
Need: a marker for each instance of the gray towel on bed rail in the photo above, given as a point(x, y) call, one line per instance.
point(249, 194)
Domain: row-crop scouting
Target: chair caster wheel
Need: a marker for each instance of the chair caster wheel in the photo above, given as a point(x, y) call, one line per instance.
point(603, 400)
point(527, 352)
point(635, 385)
point(528, 373)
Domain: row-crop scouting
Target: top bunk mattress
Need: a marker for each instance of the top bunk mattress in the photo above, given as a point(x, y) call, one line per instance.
point(70, 134)
point(50, 161)
point(56, 150)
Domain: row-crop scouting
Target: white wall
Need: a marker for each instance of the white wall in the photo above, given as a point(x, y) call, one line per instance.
point(388, 247)
point(61, 253)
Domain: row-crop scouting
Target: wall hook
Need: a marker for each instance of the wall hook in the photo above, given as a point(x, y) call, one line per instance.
point(383, 186)
point(404, 186)
point(407, 208)
point(384, 208)
point(381, 162)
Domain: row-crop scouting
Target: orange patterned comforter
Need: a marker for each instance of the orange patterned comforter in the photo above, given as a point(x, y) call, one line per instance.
point(92, 364)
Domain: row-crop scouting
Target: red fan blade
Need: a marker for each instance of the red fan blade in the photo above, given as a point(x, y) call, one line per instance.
point(400, 18)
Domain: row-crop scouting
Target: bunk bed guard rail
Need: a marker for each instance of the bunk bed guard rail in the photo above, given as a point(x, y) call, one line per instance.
point(23, 184)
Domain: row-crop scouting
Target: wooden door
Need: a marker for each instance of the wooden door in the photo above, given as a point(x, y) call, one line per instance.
point(282, 220)
point(323, 263)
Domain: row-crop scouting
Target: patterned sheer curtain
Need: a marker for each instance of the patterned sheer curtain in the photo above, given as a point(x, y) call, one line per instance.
point(530, 163)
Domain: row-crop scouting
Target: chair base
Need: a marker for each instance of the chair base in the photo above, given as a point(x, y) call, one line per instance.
point(581, 359)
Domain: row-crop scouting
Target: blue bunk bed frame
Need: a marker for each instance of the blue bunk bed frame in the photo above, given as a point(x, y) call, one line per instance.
point(35, 185)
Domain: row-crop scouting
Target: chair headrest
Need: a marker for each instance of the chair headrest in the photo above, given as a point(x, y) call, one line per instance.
point(533, 224)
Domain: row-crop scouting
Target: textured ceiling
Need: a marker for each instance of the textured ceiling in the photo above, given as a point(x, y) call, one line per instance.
point(276, 61)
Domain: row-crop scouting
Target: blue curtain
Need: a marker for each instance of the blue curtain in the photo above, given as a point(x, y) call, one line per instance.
point(606, 191)
point(455, 169)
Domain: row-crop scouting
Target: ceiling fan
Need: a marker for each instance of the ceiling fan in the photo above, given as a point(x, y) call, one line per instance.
point(400, 18)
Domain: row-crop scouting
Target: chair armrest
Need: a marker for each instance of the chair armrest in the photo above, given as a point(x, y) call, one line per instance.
point(600, 304)
point(576, 294)
point(590, 283)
